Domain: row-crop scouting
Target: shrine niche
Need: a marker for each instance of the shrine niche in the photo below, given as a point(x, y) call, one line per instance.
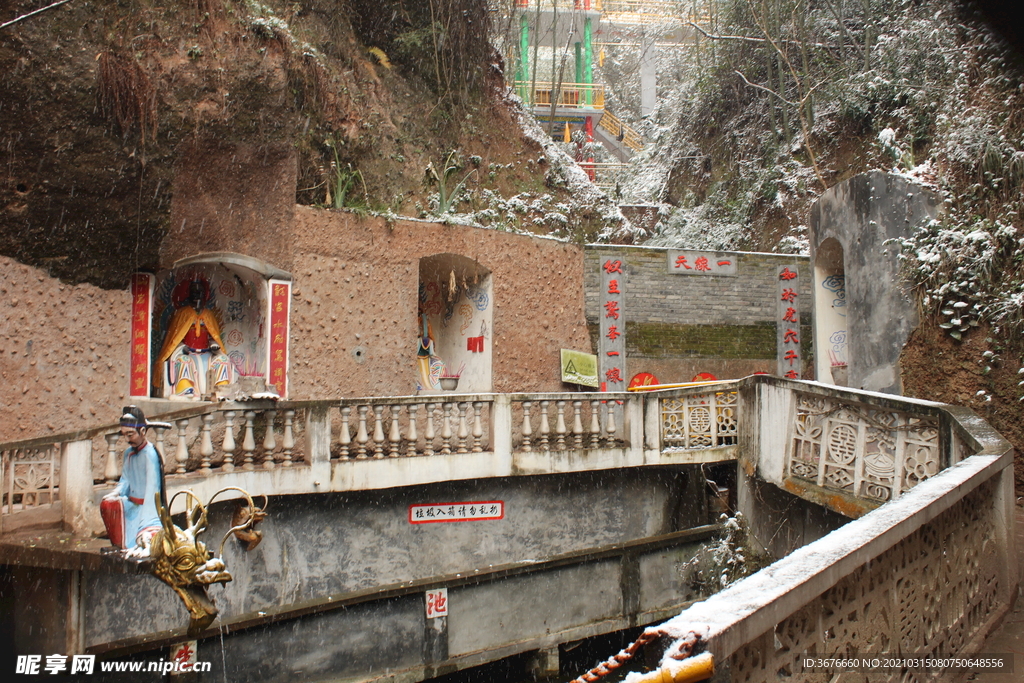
point(217, 329)
point(454, 316)
point(830, 305)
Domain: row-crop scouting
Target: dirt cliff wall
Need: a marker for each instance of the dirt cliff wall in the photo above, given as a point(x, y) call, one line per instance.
point(63, 353)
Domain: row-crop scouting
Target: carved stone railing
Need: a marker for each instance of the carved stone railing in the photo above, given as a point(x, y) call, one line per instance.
point(560, 422)
point(926, 574)
point(314, 446)
point(863, 450)
point(29, 477)
point(698, 419)
point(845, 450)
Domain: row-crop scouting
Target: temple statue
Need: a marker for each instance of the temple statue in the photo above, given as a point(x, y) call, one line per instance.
point(193, 350)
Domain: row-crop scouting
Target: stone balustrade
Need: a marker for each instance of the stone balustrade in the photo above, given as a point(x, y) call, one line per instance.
point(925, 568)
point(859, 449)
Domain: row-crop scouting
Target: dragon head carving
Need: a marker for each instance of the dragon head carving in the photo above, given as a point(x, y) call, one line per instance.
point(183, 562)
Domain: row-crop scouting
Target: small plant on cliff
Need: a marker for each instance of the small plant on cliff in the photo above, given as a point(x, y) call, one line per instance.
point(448, 195)
point(341, 182)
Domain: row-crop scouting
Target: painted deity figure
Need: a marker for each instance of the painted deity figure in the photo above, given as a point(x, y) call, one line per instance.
point(193, 350)
point(130, 512)
point(428, 363)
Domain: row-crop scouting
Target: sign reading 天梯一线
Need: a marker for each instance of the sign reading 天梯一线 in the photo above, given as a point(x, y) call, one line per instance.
point(702, 263)
point(579, 368)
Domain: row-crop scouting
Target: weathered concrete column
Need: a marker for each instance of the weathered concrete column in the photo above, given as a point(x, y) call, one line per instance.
point(501, 430)
point(77, 506)
point(318, 443)
point(543, 663)
point(652, 426)
point(634, 418)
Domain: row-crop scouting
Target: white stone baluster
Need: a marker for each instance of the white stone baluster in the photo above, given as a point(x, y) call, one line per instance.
point(595, 425)
point(463, 428)
point(110, 473)
point(362, 438)
point(344, 436)
point(413, 436)
point(160, 443)
point(378, 431)
point(269, 440)
point(545, 428)
point(181, 454)
point(478, 430)
point(527, 427)
point(229, 442)
point(248, 441)
point(577, 425)
point(446, 429)
point(206, 444)
point(428, 434)
point(560, 429)
point(288, 443)
point(395, 432)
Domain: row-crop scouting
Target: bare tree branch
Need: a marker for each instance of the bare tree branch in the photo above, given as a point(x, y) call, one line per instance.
point(801, 86)
point(767, 90)
point(33, 13)
point(759, 41)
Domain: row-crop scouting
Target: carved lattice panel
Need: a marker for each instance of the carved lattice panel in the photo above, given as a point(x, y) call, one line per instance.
point(859, 449)
point(699, 421)
point(927, 595)
point(29, 478)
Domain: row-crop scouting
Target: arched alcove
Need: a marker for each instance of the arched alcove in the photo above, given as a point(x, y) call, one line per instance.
point(830, 322)
point(241, 304)
point(455, 313)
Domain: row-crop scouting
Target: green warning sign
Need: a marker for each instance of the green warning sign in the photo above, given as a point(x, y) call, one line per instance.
point(579, 368)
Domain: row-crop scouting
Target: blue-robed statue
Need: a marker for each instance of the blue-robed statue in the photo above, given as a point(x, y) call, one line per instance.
point(129, 511)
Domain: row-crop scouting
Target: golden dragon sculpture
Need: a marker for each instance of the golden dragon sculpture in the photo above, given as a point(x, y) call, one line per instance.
point(183, 562)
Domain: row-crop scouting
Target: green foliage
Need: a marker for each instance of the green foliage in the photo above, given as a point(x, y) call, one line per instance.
point(968, 271)
point(448, 195)
point(341, 182)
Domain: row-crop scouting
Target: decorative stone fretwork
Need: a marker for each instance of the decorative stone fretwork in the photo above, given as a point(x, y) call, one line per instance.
point(699, 421)
point(863, 450)
point(29, 477)
point(929, 594)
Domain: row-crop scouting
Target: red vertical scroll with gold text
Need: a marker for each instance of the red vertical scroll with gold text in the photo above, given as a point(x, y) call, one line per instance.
point(280, 303)
point(142, 329)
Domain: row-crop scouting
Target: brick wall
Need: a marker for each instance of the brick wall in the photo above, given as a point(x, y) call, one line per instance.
point(679, 325)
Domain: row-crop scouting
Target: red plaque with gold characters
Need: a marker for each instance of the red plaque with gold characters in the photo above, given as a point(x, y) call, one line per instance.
point(280, 301)
point(142, 315)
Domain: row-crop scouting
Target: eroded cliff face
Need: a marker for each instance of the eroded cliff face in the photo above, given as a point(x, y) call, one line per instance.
point(112, 113)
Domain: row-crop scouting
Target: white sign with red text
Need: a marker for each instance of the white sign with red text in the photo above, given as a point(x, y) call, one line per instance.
point(457, 512)
point(437, 603)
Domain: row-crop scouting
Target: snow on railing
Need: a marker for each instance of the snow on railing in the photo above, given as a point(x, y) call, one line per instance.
point(925, 574)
